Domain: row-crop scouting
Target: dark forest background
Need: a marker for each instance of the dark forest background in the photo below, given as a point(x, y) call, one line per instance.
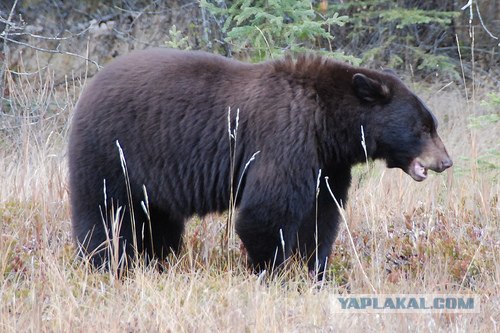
point(416, 37)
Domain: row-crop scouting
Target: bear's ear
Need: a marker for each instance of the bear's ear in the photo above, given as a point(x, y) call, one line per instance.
point(369, 90)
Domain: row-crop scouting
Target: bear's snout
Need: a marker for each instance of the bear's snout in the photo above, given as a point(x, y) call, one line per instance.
point(446, 163)
point(434, 157)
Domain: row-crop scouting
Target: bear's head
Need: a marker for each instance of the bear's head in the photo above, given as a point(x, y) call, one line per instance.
point(400, 127)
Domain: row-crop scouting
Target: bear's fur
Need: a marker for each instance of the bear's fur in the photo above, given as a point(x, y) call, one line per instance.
point(168, 110)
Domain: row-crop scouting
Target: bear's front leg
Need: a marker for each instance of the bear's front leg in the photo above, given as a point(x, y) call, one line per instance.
point(316, 237)
point(268, 235)
point(318, 231)
point(276, 199)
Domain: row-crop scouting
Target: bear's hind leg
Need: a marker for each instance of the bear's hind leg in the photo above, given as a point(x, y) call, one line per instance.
point(91, 241)
point(105, 242)
point(163, 235)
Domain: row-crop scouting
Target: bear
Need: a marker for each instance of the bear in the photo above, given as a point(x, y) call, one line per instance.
point(196, 130)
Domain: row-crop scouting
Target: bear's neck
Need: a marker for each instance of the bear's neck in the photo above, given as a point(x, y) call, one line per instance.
point(345, 127)
point(332, 104)
point(343, 135)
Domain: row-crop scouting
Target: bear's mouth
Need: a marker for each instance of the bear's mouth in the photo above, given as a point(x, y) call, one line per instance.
point(417, 170)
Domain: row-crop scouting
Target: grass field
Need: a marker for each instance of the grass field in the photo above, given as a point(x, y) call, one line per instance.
point(437, 237)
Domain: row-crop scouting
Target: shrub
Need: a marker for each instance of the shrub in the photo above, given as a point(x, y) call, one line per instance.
point(265, 28)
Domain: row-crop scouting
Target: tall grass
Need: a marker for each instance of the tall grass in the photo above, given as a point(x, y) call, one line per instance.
point(439, 236)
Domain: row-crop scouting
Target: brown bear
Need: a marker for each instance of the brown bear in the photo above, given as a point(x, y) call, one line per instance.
point(168, 110)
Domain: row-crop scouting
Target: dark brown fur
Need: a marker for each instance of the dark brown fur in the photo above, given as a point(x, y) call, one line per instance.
point(169, 112)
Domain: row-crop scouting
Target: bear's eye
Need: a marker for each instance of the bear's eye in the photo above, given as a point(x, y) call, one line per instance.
point(426, 132)
point(430, 125)
point(429, 121)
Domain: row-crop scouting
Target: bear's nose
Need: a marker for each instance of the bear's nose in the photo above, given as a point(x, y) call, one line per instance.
point(446, 163)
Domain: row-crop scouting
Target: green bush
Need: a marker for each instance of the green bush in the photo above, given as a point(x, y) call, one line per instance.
point(405, 34)
point(265, 28)
point(400, 34)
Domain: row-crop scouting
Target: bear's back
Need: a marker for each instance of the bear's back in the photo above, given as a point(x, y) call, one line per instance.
point(168, 110)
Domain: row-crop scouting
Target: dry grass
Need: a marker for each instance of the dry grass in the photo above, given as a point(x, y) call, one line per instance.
point(440, 236)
